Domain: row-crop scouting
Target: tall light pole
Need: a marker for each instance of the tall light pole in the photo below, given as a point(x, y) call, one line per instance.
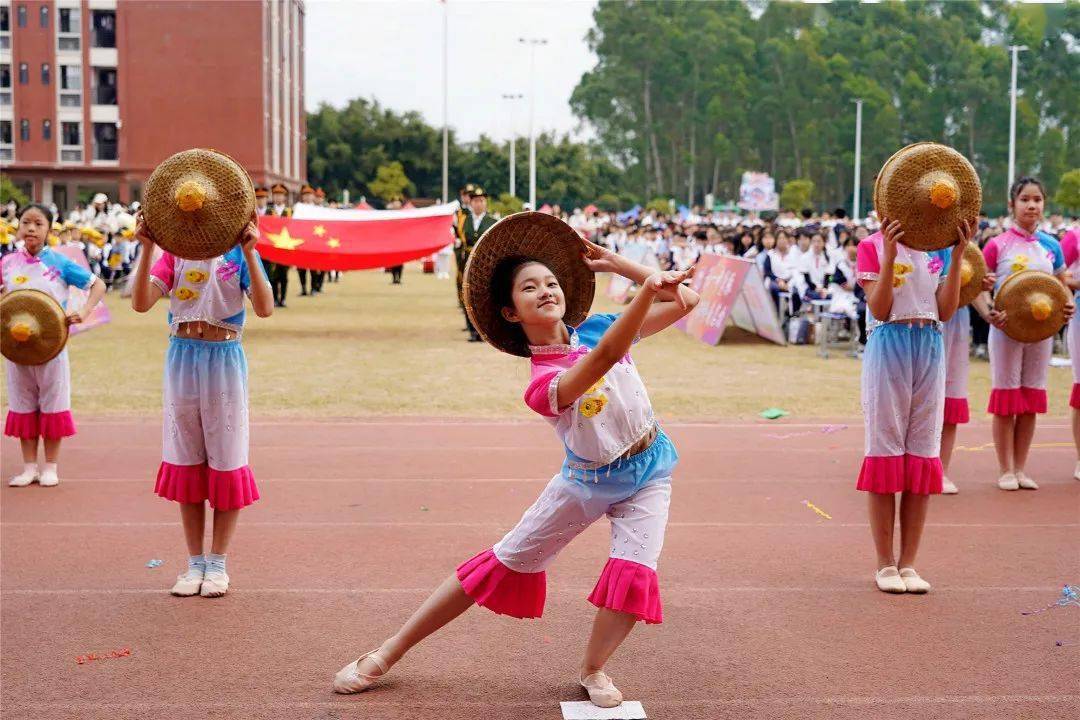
point(858, 157)
point(1012, 116)
point(445, 113)
point(532, 43)
point(513, 142)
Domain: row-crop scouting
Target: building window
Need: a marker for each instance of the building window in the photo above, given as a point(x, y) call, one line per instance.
point(46, 129)
point(22, 16)
point(5, 27)
point(69, 29)
point(24, 130)
point(103, 27)
point(70, 85)
point(70, 142)
point(24, 73)
point(106, 146)
point(44, 15)
point(104, 86)
point(5, 84)
point(45, 73)
point(7, 150)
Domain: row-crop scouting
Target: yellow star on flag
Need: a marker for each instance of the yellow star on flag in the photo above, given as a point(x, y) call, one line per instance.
point(319, 230)
point(283, 240)
point(333, 242)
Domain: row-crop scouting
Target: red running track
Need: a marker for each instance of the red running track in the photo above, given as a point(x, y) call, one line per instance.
point(769, 609)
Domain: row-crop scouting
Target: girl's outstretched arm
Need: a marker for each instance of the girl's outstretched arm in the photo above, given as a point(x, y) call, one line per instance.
point(616, 342)
point(600, 259)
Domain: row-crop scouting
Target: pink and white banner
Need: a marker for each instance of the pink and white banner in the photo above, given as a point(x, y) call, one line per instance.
point(321, 238)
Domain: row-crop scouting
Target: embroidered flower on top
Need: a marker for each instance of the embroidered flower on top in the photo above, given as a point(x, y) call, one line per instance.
point(196, 276)
point(227, 270)
point(934, 264)
point(597, 386)
point(593, 406)
point(19, 279)
point(900, 273)
point(1019, 263)
point(186, 294)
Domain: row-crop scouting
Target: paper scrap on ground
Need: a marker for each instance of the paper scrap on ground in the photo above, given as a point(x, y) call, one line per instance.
point(628, 710)
point(816, 509)
point(111, 655)
point(155, 563)
point(773, 413)
point(1070, 595)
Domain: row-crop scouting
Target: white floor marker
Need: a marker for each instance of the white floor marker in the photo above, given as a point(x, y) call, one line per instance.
point(628, 710)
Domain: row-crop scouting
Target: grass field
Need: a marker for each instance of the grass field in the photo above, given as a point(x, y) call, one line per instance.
point(365, 347)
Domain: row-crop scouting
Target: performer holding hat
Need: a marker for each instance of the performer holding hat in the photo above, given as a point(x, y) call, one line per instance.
point(39, 396)
point(1018, 369)
point(528, 292)
point(205, 430)
point(956, 333)
point(912, 286)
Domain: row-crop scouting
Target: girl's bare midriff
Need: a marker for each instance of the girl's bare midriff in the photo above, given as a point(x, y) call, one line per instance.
point(201, 330)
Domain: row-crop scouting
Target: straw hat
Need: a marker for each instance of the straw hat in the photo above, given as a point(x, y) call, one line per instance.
point(197, 202)
point(535, 235)
point(972, 271)
point(33, 327)
point(1034, 303)
point(930, 189)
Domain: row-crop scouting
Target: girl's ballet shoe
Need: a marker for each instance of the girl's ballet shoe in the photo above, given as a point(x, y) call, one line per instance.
point(1008, 481)
point(350, 680)
point(1023, 480)
point(602, 692)
point(948, 487)
point(888, 580)
point(913, 582)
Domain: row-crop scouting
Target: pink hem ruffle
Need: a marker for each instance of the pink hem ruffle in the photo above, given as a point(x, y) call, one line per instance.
point(629, 587)
point(502, 590)
point(901, 473)
point(1034, 399)
point(956, 411)
point(21, 425)
point(1007, 402)
point(1074, 398)
point(231, 489)
point(182, 483)
point(54, 426)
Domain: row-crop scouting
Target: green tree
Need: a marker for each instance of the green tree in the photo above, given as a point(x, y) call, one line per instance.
point(390, 182)
point(506, 204)
point(797, 194)
point(9, 192)
point(1068, 194)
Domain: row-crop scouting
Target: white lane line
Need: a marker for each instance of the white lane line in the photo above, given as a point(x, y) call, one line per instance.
point(568, 591)
point(416, 523)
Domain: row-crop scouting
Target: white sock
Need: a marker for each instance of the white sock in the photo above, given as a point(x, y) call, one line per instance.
point(197, 563)
point(49, 467)
point(215, 562)
point(30, 468)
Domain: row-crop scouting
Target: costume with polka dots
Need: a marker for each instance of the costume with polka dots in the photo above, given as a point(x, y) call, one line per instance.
point(205, 434)
point(1018, 370)
point(903, 374)
point(39, 396)
point(597, 479)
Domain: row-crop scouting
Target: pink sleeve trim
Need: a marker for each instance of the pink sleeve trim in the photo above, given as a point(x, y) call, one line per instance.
point(542, 393)
point(990, 253)
point(164, 272)
point(867, 264)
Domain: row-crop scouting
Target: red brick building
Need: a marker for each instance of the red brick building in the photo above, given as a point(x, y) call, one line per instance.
point(95, 93)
